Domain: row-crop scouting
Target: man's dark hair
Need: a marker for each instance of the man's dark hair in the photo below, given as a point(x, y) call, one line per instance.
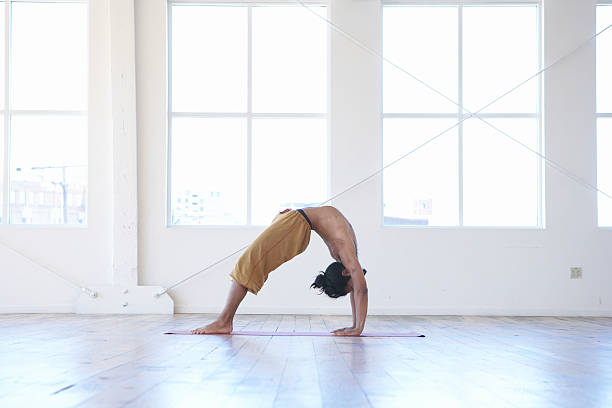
point(332, 282)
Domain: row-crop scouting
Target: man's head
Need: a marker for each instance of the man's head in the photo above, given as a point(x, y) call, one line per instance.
point(335, 281)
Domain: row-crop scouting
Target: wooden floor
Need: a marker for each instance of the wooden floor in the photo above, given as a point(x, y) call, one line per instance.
point(116, 361)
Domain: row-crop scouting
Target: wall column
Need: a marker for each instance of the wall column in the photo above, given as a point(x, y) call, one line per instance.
point(125, 195)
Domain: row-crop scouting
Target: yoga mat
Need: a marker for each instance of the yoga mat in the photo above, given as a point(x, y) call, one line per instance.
point(305, 334)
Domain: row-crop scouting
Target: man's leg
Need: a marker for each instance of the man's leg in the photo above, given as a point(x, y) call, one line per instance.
point(223, 324)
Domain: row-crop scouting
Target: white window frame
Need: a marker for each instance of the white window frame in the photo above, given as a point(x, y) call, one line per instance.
point(7, 112)
point(459, 116)
point(599, 114)
point(249, 115)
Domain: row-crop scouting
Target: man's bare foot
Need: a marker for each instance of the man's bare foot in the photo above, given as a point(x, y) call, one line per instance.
point(216, 327)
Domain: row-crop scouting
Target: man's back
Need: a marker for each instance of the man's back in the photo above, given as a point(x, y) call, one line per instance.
point(335, 230)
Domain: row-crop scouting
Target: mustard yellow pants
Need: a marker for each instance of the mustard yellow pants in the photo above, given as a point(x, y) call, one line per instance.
point(287, 237)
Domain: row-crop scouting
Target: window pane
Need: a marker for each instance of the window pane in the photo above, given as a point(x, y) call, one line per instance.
point(209, 58)
point(289, 165)
point(604, 170)
point(289, 60)
point(49, 56)
point(208, 171)
point(500, 176)
point(604, 60)
point(433, 60)
point(500, 50)
point(422, 188)
point(48, 182)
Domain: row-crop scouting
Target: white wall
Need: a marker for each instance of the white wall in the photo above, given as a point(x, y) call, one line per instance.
point(410, 270)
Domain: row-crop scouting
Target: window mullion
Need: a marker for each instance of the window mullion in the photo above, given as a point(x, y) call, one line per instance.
point(249, 114)
point(169, 220)
point(5, 174)
point(460, 108)
point(540, 141)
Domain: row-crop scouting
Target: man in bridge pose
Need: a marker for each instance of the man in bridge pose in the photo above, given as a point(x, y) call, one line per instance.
point(287, 237)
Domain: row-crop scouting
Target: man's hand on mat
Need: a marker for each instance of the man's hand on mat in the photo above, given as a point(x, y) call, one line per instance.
point(347, 331)
point(215, 327)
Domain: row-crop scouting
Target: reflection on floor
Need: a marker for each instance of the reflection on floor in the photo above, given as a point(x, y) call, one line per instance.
point(115, 361)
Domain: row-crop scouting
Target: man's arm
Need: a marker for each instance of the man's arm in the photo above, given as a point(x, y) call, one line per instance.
point(354, 317)
point(359, 295)
point(353, 310)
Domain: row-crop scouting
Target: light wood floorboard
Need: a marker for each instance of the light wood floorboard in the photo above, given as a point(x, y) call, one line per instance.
point(465, 361)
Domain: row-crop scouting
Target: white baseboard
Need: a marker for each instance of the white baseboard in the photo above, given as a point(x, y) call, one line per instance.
point(263, 310)
point(56, 308)
point(401, 311)
point(483, 311)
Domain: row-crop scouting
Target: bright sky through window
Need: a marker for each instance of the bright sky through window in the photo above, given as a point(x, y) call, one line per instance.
point(471, 175)
point(604, 114)
point(48, 113)
point(240, 107)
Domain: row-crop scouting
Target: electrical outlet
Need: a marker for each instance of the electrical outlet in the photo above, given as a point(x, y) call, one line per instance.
point(576, 272)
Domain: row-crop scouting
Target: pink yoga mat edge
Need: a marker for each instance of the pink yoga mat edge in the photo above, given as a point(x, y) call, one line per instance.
point(308, 334)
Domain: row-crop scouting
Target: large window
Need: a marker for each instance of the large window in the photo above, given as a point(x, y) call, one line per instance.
point(247, 112)
point(44, 100)
point(604, 114)
point(472, 175)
